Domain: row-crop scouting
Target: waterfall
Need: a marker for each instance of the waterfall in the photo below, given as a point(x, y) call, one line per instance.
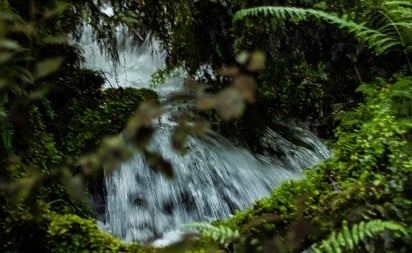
point(213, 178)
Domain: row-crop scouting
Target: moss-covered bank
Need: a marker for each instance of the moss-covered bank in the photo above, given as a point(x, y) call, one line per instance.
point(43, 204)
point(368, 179)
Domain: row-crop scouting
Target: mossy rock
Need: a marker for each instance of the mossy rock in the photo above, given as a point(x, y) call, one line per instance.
point(70, 233)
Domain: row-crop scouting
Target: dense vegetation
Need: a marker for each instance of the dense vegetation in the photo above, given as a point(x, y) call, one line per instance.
point(343, 66)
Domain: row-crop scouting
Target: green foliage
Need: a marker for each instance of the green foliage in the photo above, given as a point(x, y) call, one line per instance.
point(20, 231)
point(70, 233)
point(304, 82)
point(280, 219)
point(42, 149)
point(159, 77)
point(47, 231)
point(376, 129)
point(349, 239)
point(366, 181)
point(220, 234)
point(39, 79)
point(89, 122)
point(394, 23)
point(392, 18)
point(375, 39)
point(12, 71)
point(40, 177)
point(27, 67)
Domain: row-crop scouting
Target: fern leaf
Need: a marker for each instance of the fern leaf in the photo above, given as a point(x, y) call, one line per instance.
point(397, 3)
point(374, 39)
point(327, 247)
point(401, 12)
point(361, 230)
point(341, 239)
point(389, 45)
point(355, 234)
point(400, 24)
point(223, 235)
point(350, 239)
point(335, 244)
point(316, 250)
point(281, 12)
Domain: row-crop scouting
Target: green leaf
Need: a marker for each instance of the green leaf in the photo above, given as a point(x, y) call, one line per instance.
point(348, 238)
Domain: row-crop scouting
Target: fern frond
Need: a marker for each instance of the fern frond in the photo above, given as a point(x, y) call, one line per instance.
point(220, 234)
point(374, 39)
point(279, 12)
point(397, 3)
point(399, 17)
point(405, 12)
point(349, 239)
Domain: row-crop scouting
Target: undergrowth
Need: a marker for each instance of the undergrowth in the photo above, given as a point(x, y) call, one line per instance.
point(365, 186)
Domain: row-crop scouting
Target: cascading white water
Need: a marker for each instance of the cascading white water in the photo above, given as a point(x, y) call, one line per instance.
point(213, 178)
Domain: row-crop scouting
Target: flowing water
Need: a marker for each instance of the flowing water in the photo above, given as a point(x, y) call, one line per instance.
point(213, 179)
